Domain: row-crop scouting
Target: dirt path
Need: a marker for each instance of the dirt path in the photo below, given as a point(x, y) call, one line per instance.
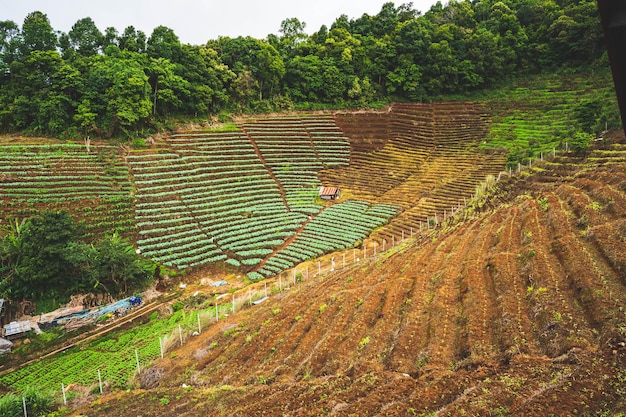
point(267, 167)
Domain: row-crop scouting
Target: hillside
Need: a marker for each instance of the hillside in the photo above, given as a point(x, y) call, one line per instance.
point(517, 309)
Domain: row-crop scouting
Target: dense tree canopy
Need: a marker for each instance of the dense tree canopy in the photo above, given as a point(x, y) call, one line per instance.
point(118, 84)
point(45, 257)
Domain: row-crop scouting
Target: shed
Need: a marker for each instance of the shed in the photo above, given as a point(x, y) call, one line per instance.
point(329, 193)
point(17, 329)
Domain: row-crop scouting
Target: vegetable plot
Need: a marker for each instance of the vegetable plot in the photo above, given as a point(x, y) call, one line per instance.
point(338, 227)
point(93, 186)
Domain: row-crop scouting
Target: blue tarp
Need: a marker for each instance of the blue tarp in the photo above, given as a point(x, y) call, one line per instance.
point(120, 307)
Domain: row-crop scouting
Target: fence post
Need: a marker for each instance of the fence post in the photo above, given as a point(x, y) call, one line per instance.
point(63, 391)
point(402, 235)
point(217, 313)
point(180, 334)
point(24, 405)
point(137, 360)
point(199, 327)
point(160, 348)
point(393, 241)
point(265, 288)
point(100, 381)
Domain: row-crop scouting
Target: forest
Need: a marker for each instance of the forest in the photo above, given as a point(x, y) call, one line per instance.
point(110, 84)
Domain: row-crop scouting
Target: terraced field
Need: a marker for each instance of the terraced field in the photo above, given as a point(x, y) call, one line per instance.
point(429, 162)
point(516, 310)
point(94, 186)
point(241, 196)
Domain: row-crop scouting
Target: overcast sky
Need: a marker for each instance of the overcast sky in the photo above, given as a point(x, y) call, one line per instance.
point(196, 21)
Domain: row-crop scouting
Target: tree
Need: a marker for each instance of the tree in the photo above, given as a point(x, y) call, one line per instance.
point(85, 37)
point(293, 34)
point(45, 257)
point(132, 40)
point(37, 34)
point(10, 40)
point(44, 271)
point(163, 43)
point(117, 268)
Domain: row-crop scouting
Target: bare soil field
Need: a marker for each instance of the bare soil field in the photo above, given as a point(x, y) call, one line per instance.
point(518, 308)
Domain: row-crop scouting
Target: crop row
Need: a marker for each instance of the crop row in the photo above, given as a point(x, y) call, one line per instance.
point(337, 227)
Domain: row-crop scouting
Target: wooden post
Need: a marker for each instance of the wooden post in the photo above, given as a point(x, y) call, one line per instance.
point(217, 312)
point(199, 327)
point(63, 391)
point(100, 381)
point(265, 288)
point(180, 332)
point(24, 405)
point(402, 235)
point(393, 241)
point(160, 349)
point(384, 244)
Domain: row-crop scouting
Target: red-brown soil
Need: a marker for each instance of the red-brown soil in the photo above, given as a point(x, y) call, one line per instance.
point(517, 309)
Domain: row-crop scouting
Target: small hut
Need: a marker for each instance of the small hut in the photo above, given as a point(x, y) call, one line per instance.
point(329, 193)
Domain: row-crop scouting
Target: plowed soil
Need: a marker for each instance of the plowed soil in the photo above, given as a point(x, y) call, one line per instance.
point(517, 309)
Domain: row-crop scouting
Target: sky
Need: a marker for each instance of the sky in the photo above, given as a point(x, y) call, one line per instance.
point(196, 21)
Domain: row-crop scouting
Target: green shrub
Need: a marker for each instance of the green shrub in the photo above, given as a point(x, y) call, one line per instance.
point(38, 402)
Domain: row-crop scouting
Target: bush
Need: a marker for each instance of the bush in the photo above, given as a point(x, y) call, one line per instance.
point(38, 403)
point(580, 143)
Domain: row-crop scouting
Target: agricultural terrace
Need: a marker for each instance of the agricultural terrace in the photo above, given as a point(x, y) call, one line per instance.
point(238, 196)
point(93, 186)
point(428, 161)
point(538, 116)
point(340, 226)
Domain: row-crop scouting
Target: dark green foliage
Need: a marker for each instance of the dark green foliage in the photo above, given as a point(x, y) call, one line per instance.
point(111, 84)
point(45, 257)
